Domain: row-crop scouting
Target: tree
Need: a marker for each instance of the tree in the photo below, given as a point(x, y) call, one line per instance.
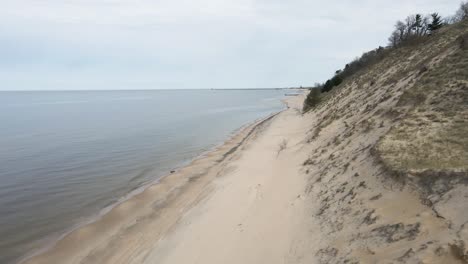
point(410, 21)
point(463, 10)
point(418, 24)
point(462, 13)
point(425, 25)
point(400, 33)
point(402, 30)
point(394, 39)
point(436, 22)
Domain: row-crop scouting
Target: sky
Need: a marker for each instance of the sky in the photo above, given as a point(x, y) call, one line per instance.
point(186, 44)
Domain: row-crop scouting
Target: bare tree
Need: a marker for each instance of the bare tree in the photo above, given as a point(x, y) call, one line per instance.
point(418, 25)
point(394, 39)
point(426, 21)
point(402, 30)
point(410, 22)
point(461, 14)
point(463, 10)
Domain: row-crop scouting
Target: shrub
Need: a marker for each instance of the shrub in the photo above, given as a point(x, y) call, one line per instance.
point(312, 100)
point(367, 59)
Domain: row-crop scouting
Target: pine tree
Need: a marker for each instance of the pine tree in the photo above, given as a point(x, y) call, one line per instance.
point(418, 24)
point(436, 22)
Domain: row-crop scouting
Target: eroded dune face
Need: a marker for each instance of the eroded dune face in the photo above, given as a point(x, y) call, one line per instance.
point(390, 158)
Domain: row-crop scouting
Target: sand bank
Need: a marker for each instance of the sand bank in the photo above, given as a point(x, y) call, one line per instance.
point(242, 202)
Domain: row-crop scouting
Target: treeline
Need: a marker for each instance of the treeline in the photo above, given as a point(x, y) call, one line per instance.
point(409, 31)
point(368, 58)
point(414, 27)
point(418, 26)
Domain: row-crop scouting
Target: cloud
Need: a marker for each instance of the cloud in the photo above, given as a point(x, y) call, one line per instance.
point(127, 44)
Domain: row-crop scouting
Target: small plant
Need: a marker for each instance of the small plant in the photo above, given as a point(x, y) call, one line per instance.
point(282, 146)
point(309, 161)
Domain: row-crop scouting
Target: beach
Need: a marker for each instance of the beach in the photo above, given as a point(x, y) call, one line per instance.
point(242, 202)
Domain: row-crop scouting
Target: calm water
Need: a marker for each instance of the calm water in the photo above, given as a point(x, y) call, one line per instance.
point(64, 156)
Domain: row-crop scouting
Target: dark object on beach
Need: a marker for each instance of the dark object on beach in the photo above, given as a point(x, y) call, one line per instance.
point(172, 171)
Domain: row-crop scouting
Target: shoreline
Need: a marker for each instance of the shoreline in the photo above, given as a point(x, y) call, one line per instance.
point(255, 210)
point(235, 140)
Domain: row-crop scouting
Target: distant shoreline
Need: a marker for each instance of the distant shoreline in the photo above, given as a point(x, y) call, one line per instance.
point(136, 90)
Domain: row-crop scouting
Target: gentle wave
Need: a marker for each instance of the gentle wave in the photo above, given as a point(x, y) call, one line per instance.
point(77, 102)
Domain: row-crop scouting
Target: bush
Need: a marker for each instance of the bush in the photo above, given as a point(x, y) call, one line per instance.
point(335, 81)
point(312, 100)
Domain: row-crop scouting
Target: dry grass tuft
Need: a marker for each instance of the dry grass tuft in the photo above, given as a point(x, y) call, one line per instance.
point(282, 146)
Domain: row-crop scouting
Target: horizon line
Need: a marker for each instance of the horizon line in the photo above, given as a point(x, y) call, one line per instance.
point(156, 89)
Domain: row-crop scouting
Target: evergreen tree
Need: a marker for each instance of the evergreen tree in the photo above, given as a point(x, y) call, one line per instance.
point(418, 24)
point(436, 22)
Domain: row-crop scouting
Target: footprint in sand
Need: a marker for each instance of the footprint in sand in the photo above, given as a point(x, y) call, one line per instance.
point(258, 191)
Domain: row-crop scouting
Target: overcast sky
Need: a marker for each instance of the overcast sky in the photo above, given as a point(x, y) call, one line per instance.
point(166, 44)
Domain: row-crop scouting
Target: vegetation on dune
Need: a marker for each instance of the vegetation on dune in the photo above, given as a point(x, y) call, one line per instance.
point(312, 100)
point(394, 125)
point(425, 74)
point(433, 134)
point(412, 31)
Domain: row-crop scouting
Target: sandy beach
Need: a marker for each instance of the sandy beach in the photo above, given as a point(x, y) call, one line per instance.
point(242, 202)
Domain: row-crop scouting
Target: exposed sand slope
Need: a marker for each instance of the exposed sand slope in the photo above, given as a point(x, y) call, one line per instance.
point(368, 140)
